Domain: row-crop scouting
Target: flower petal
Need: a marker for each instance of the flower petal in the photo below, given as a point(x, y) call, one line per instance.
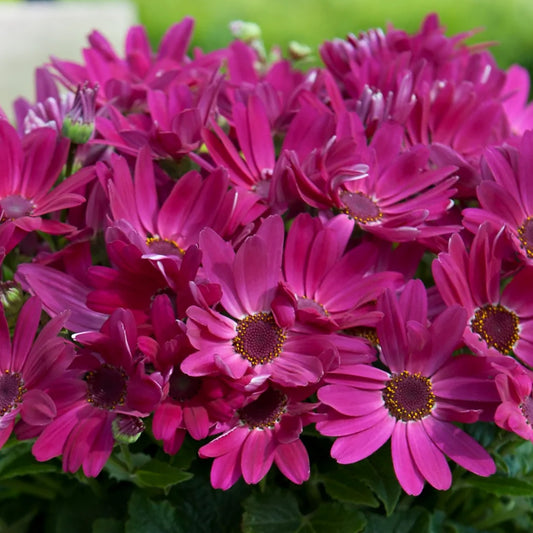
point(355, 447)
point(429, 459)
point(405, 467)
point(460, 447)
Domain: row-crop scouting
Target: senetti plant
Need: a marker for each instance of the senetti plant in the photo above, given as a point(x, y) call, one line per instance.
point(239, 294)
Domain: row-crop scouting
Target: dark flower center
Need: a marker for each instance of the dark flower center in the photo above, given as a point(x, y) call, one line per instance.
point(367, 332)
point(11, 391)
point(161, 246)
point(527, 410)
point(264, 411)
point(106, 387)
point(183, 387)
point(15, 206)
point(497, 326)
point(525, 234)
point(360, 207)
point(259, 339)
point(409, 396)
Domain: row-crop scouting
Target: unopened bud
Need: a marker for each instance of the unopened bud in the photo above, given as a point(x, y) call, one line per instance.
point(78, 124)
point(127, 429)
point(298, 50)
point(245, 31)
point(12, 298)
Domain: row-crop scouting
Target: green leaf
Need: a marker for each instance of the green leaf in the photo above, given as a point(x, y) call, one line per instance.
point(28, 465)
point(273, 512)
point(107, 525)
point(344, 485)
point(500, 485)
point(414, 519)
point(351, 483)
point(147, 516)
point(203, 509)
point(385, 484)
point(334, 518)
point(159, 474)
point(123, 468)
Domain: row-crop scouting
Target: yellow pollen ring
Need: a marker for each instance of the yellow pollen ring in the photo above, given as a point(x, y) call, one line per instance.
point(523, 237)
point(361, 207)
point(263, 354)
point(498, 313)
point(157, 240)
point(409, 397)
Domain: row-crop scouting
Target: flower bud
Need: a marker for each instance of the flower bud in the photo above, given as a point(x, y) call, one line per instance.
point(78, 124)
point(11, 298)
point(127, 429)
point(298, 50)
point(245, 31)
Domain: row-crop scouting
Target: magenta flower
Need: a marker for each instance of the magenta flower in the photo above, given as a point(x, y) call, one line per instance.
point(515, 412)
point(333, 287)
point(265, 431)
point(107, 382)
point(253, 170)
point(30, 368)
point(169, 227)
point(519, 112)
point(415, 401)
point(124, 81)
point(255, 337)
point(499, 321)
point(190, 405)
point(50, 107)
point(506, 195)
point(397, 197)
point(29, 169)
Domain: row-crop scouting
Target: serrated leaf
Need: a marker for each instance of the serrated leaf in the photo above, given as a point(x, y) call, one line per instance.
point(27, 465)
point(274, 512)
point(203, 509)
point(375, 473)
point(160, 475)
point(341, 485)
point(122, 468)
point(334, 518)
point(415, 519)
point(385, 485)
point(147, 516)
point(501, 485)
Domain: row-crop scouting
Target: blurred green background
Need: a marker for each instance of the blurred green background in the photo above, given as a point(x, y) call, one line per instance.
point(507, 22)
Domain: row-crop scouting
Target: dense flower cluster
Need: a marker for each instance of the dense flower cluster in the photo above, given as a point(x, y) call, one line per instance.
point(237, 249)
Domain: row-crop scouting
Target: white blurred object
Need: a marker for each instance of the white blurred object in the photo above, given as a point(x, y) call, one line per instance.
point(30, 32)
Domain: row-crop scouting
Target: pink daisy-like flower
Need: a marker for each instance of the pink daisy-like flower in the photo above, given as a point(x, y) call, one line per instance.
point(395, 197)
point(107, 382)
point(265, 431)
point(28, 170)
point(499, 321)
point(171, 226)
point(257, 339)
point(515, 412)
point(333, 287)
point(124, 81)
point(190, 405)
point(506, 194)
point(415, 401)
point(29, 367)
point(519, 112)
